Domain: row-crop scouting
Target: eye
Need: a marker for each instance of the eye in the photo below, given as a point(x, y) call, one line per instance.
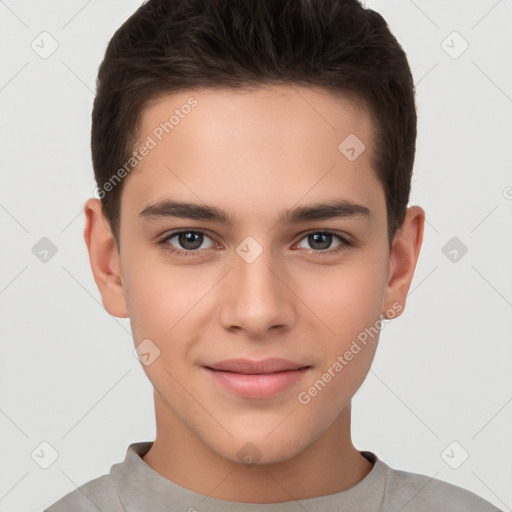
point(187, 241)
point(319, 241)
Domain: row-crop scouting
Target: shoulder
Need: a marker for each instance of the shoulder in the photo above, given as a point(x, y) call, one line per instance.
point(97, 494)
point(413, 492)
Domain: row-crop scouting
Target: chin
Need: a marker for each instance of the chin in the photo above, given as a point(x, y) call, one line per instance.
point(260, 450)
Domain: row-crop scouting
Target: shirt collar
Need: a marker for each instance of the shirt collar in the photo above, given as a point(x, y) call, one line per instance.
point(141, 488)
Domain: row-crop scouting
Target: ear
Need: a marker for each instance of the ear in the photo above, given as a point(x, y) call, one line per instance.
point(104, 259)
point(404, 255)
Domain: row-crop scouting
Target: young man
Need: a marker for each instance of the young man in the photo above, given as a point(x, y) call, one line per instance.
point(253, 161)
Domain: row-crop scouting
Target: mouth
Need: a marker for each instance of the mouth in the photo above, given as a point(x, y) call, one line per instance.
point(249, 366)
point(256, 379)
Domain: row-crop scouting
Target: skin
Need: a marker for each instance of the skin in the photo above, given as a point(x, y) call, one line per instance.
point(253, 154)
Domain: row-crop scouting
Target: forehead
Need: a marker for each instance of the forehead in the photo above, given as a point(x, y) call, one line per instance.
point(292, 110)
point(269, 145)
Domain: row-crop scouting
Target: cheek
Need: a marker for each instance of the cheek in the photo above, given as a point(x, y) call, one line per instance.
point(163, 306)
point(348, 298)
point(169, 305)
point(158, 296)
point(144, 304)
point(349, 305)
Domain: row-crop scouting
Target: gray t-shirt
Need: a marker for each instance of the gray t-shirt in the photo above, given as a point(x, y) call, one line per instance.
point(133, 486)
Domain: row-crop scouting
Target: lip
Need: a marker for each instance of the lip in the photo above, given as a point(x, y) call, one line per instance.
point(256, 379)
point(249, 366)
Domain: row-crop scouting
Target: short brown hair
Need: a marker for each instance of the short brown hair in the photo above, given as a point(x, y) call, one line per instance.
point(168, 46)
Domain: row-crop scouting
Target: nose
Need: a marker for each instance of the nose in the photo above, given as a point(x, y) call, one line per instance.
point(258, 296)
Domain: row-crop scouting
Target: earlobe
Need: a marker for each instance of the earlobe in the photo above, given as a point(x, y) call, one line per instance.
point(104, 259)
point(404, 255)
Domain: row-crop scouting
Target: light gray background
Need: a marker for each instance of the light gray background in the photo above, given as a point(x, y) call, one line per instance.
point(442, 372)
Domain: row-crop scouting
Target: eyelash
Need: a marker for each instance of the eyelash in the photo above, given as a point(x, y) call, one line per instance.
point(317, 253)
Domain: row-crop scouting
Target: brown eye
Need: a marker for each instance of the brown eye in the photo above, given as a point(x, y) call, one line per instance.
point(321, 241)
point(187, 241)
point(190, 240)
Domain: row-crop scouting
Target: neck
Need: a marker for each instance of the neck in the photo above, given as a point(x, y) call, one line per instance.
point(330, 465)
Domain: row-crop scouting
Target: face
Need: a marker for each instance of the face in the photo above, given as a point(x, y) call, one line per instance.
point(282, 253)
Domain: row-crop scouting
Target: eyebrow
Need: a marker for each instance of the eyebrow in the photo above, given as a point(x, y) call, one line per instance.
point(333, 209)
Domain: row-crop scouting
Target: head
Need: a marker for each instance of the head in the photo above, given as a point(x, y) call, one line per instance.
point(268, 116)
point(170, 46)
